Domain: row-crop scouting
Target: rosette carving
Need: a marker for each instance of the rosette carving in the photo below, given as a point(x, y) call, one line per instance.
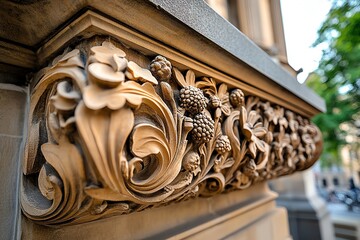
point(108, 136)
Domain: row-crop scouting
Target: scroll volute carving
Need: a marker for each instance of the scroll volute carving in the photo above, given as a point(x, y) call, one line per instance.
point(118, 138)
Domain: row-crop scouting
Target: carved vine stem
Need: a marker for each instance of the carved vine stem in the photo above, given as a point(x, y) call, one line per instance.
point(110, 137)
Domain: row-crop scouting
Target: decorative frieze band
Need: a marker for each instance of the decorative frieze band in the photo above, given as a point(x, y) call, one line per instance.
point(109, 137)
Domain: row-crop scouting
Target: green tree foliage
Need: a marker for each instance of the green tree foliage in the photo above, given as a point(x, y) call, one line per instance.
point(337, 78)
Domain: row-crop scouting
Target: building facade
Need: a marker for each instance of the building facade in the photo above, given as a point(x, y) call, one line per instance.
point(148, 119)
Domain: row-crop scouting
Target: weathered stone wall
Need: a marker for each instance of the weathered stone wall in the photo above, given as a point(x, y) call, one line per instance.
point(13, 104)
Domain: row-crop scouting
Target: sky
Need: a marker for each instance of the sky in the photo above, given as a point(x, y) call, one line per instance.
point(302, 19)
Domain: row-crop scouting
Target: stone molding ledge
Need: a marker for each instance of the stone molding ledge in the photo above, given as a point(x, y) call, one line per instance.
point(188, 47)
point(113, 131)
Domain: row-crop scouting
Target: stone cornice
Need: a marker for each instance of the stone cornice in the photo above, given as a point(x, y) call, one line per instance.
point(112, 132)
point(192, 29)
point(249, 80)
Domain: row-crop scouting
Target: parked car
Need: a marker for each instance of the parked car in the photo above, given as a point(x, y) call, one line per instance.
point(350, 197)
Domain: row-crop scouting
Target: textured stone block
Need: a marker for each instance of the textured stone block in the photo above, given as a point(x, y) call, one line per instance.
point(9, 168)
point(12, 109)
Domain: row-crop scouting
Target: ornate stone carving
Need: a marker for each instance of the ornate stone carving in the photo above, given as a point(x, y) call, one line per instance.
point(109, 137)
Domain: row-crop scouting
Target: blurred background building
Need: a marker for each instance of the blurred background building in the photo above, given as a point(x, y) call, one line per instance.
point(262, 22)
point(259, 20)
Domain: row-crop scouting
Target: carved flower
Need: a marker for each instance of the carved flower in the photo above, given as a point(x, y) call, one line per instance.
point(275, 115)
point(268, 110)
point(293, 124)
point(105, 52)
point(108, 67)
point(279, 117)
point(307, 133)
point(282, 141)
point(253, 131)
point(237, 98)
point(298, 156)
point(221, 100)
point(219, 97)
point(160, 67)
